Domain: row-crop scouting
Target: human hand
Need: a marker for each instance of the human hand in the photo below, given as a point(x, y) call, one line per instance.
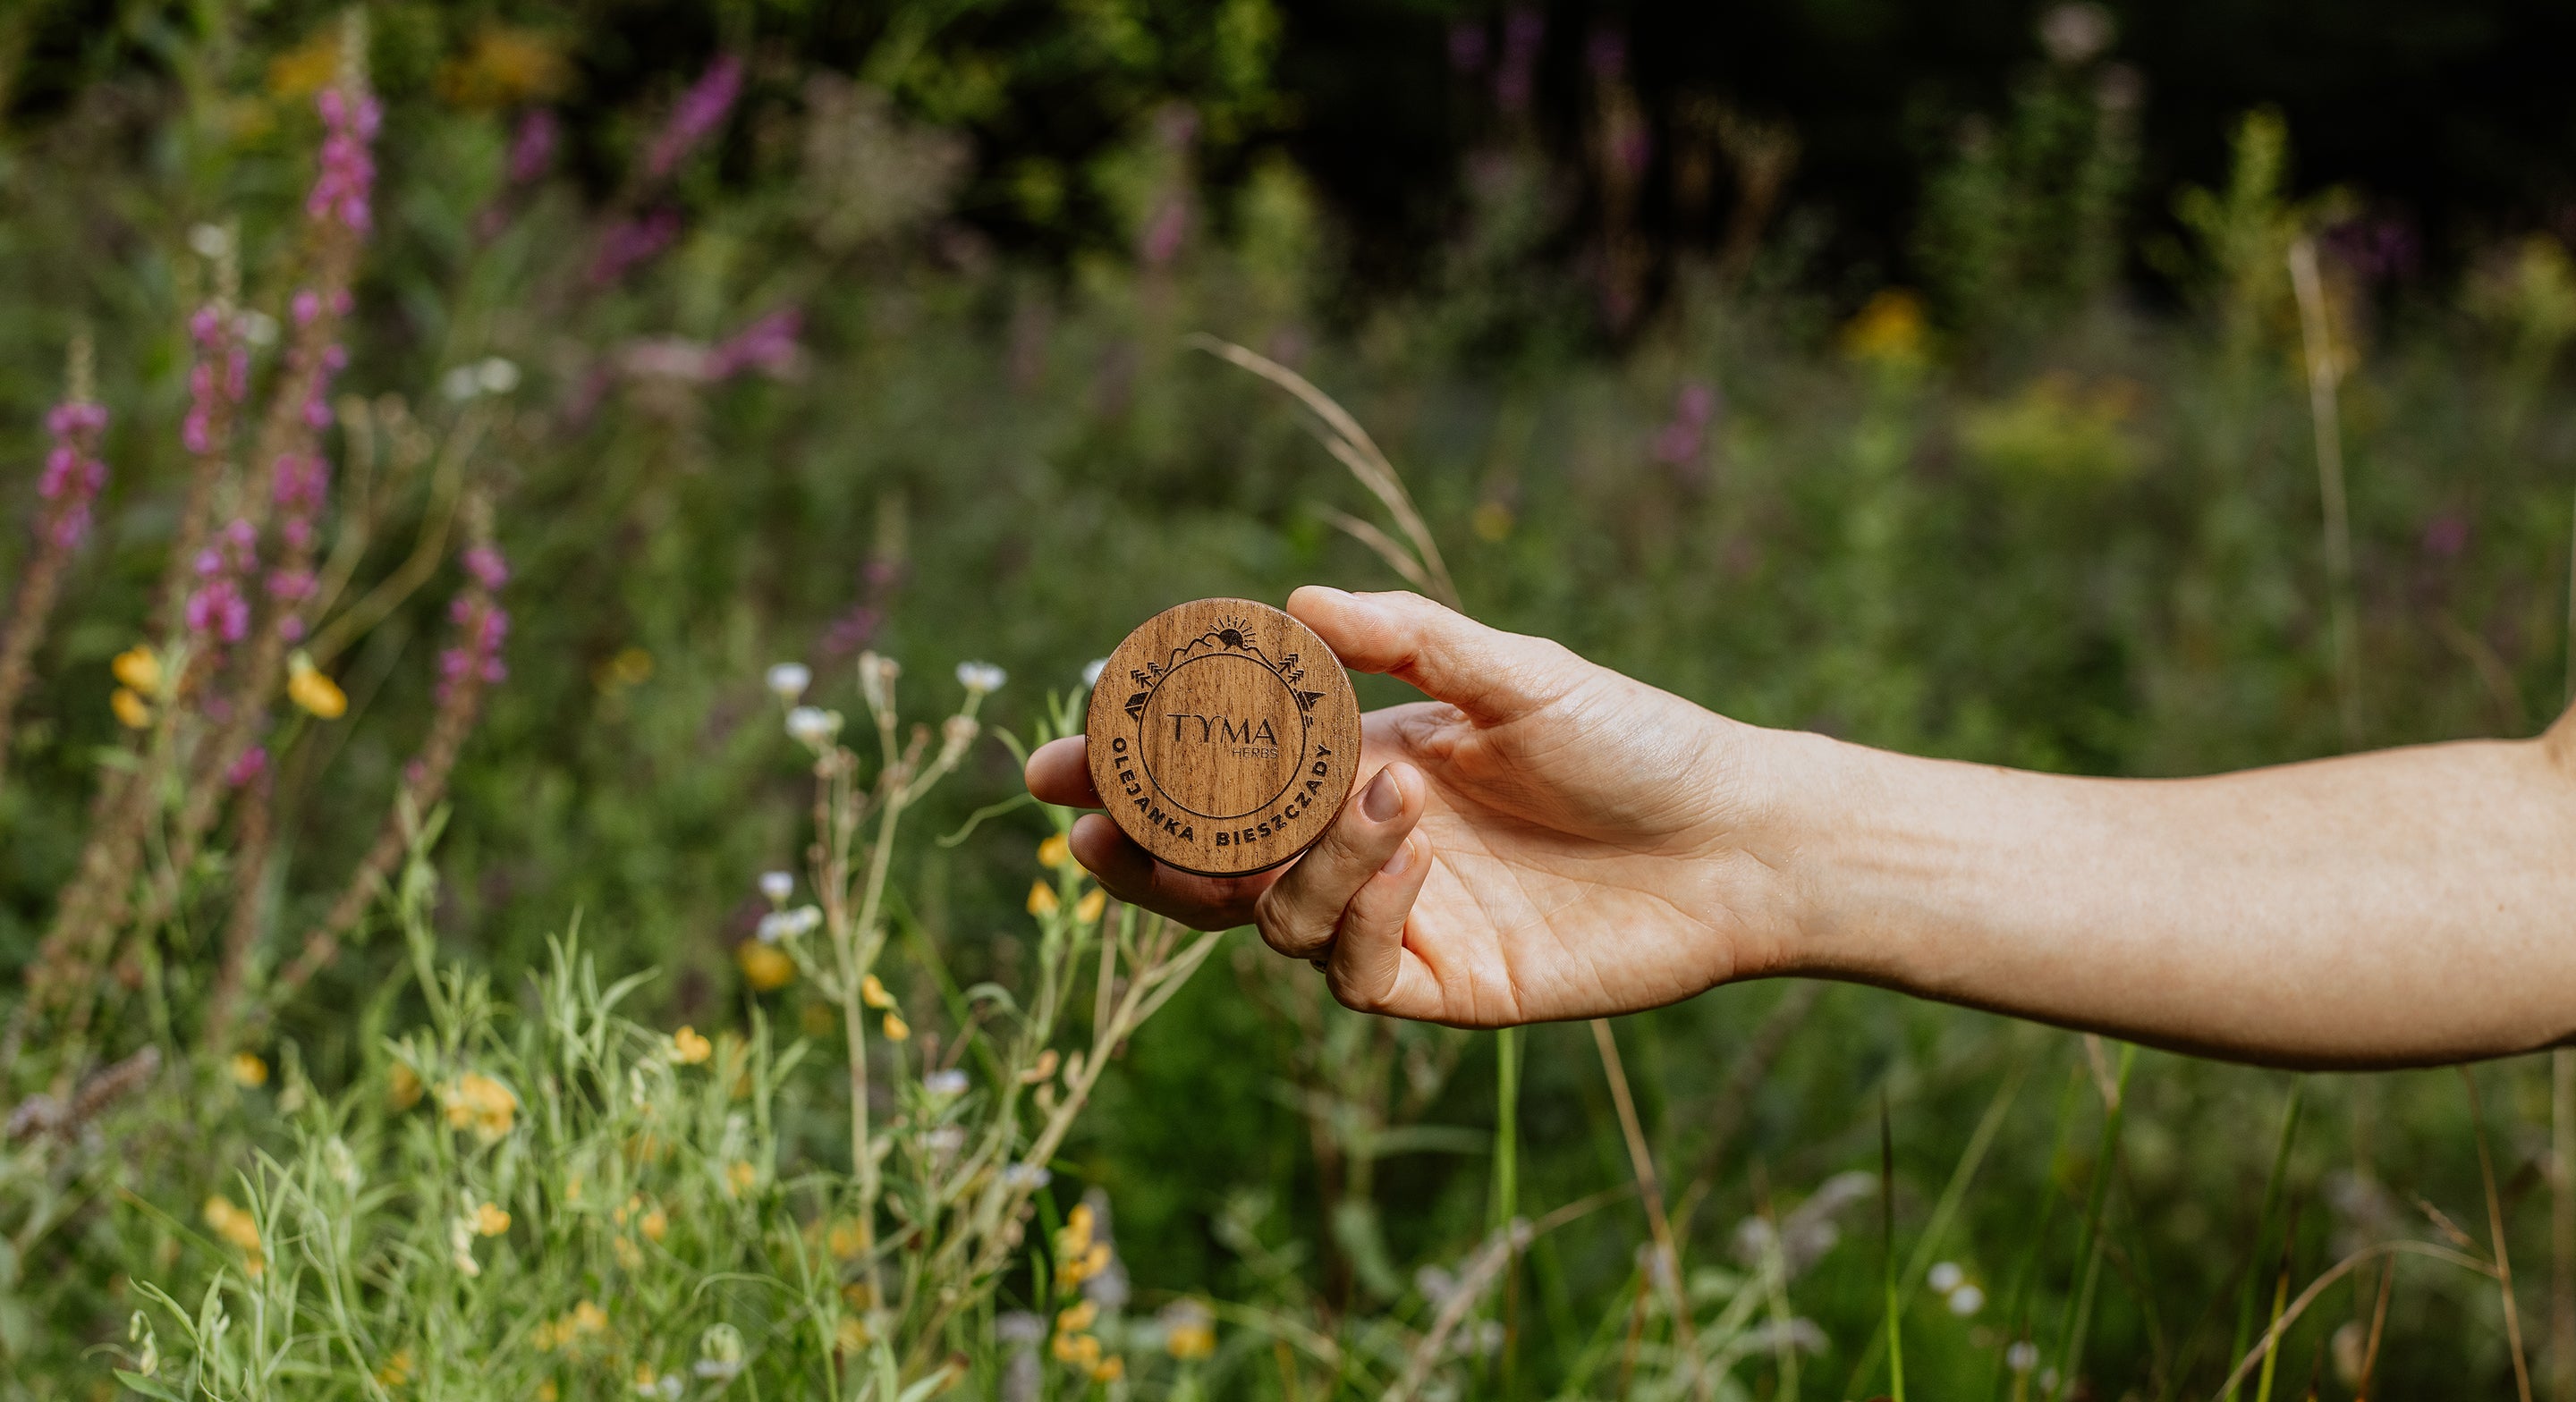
point(1543, 839)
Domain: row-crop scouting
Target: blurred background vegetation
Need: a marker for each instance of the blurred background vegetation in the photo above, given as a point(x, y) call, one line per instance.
point(1933, 377)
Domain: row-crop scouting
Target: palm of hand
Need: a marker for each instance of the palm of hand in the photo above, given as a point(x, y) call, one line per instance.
point(1571, 849)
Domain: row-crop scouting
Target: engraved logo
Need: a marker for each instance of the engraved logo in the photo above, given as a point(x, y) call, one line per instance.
point(1221, 727)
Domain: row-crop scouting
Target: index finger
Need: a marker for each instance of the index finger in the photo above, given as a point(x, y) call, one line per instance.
point(1059, 772)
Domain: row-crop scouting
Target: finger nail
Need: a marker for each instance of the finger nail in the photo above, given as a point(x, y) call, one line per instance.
point(1401, 862)
point(1383, 800)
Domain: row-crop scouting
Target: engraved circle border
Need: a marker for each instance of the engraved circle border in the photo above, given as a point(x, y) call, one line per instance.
point(1305, 733)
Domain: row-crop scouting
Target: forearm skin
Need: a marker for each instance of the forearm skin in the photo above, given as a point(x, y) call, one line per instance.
point(2407, 907)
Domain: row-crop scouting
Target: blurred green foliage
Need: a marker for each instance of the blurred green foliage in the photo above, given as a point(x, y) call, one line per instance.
point(2037, 526)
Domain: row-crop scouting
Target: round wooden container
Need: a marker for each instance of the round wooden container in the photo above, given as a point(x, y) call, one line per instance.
point(1224, 736)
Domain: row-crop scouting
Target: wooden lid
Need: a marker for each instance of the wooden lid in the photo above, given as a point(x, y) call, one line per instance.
point(1223, 736)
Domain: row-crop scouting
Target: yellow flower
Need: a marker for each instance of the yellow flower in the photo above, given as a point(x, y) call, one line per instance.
point(740, 1176)
point(845, 1240)
point(1080, 1350)
point(896, 1029)
point(307, 68)
point(627, 1253)
point(504, 67)
point(402, 1087)
point(397, 1369)
point(477, 1102)
point(232, 1224)
point(132, 711)
point(1052, 853)
point(1189, 1340)
point(874, 993)
point(1078, 1318)
point(655, 1225)
point(1089, 907)
point(490, 1220)
point(1042, 901)
point(851, 1335)
point(1888, 330)
point(764, 966)
point(140, 668)
point(308, 688)
point(249, 1070)
point(1109, 1370)
point(546, 1391)
point(688, 1048)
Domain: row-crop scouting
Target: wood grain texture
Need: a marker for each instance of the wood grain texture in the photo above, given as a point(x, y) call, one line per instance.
point(1224, 736)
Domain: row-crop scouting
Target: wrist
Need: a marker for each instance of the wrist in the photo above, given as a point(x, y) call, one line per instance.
point(1806, 817)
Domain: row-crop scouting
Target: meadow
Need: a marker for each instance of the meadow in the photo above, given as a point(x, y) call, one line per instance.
point(514, 880)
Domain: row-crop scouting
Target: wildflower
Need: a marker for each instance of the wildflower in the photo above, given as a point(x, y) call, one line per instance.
point(132, 711)
point(719, 1352)
point(1055, 852)
point(1089, 907)
point(1092, 669)
point(316, 693)
point(946, 1081)
point(2022, 1356)
point(626, 1253)
point(496, 375)
point(74, 472)
point(1026, 1177)
point(1080, 1350)
point(460, 384)
point(980, 677)
point(788, 680)
point(1889, 330)
point(138, 667)
point(850, 1335)
point(873, 993)
point(233, 1225)
point(397, 1369)
point(209, 240)
point(1945, 1277)
point(696, 116)
point(1079, 1317)
point(812, 726)
point(1042, 899)
point(896, 1029)
point(548, 1392)
point(1189, 1330)
point(1077, 1256)
point(785, 924)
point(1109, 1370)
point(765, 967)
point(477, 1102)
point(740, 1177)
point(248, 1069)
point(667, 1386)
point(778, 886)
point(341, 1164)
point(945, 1140)
point(252, 763)
point(402, 1087)
point(689, 1047)
point(655, 1224)
point(1967, 1300)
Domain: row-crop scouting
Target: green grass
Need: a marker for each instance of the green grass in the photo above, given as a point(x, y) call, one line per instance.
point(2079, 537)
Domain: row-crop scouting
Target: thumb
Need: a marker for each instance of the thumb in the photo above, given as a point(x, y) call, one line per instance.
point(1491, 675)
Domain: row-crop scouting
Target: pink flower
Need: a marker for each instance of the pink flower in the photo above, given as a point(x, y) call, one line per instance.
point(532, 147)
point(699, 112)
point(74, 473)
point(252, 763)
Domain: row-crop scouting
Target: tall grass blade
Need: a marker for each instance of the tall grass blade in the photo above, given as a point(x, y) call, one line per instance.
point(2263, 1229)
point(1887, 1247)
point(2495, 1236)
point(1351, 445)
point(2079, 1312)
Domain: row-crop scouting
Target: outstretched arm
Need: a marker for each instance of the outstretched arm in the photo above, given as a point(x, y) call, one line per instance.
point(1547, 839)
